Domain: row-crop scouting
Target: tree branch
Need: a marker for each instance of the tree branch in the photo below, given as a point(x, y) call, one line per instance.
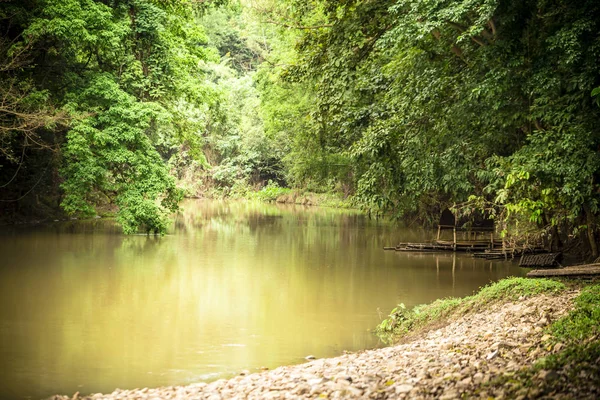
point(268, 21)
point(462, 29)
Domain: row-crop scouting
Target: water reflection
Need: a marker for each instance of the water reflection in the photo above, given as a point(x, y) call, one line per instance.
point(234, 286)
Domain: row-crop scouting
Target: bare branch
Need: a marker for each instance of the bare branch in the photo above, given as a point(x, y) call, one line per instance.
point(263, 12)
point(268, 21)
point(492, 26)
point(462, 29)
point(18, 119)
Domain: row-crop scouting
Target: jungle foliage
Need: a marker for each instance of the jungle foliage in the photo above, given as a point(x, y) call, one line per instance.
point(404, 106)
point(419, 105)
point(102, 101)
point(109, 90)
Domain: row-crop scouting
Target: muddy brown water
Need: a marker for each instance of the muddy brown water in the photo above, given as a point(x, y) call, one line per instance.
point(234, 286)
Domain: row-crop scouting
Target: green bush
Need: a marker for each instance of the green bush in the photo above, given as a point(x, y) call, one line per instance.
point(271, 192)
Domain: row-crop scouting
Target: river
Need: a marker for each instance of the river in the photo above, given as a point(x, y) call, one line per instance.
point(234, 286)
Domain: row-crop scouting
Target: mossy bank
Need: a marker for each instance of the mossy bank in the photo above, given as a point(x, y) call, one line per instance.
point(572, 341)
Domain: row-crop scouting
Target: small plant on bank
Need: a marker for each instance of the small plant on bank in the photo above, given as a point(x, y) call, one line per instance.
point(397, 315)
point(271, 192)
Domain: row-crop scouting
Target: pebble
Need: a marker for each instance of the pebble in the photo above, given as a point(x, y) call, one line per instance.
point(404, 388)
point(547, 375)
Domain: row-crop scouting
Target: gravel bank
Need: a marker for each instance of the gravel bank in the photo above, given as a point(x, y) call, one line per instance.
point(461, 359)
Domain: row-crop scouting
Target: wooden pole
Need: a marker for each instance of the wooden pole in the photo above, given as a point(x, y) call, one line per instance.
point(454, 235)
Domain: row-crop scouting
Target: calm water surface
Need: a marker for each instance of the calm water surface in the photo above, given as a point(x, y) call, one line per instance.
point(235, 286)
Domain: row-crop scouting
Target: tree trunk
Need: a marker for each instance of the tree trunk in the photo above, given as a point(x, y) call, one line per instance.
point(555, 243)
point(590, 231)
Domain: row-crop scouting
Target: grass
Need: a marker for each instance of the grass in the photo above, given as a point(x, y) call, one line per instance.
point(402, 321)
point(584, 321)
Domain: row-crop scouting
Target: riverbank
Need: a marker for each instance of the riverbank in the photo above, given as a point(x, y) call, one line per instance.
point(536, 345)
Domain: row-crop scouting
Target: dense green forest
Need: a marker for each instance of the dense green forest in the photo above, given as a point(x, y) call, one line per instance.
point(402, 107)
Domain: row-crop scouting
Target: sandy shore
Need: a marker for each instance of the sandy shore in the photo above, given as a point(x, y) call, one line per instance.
point(462, 359)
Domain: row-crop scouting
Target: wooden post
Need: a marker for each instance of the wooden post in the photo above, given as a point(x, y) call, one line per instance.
point(453, 270)
point(454, 235)
point(439, 232)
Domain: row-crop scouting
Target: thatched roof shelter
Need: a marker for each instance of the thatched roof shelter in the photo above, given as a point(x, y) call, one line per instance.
point(475, 222)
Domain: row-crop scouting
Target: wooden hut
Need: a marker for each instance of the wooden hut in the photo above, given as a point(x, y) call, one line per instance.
point(472, 226)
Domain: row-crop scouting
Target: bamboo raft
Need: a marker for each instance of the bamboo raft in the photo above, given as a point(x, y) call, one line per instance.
point(444, 245)
point(419, 247)
point(575, 271)
point(484, 249)
point(548, 260)
point(514, 252)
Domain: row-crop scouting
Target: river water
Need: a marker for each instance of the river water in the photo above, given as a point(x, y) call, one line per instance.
point(234, 286)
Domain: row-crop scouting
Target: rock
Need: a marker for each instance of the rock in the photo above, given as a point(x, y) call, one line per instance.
point(492, 355)
point(547, 375)
point(558, 347)
point(534, 393)
point(301, 389)
point(344, 377)
point(466, 382)
point(352, 391)
point(450, 395)
point(310, 357)
point(317, 381)
point(542, 322)
point(340, 384)
point(405, 388)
